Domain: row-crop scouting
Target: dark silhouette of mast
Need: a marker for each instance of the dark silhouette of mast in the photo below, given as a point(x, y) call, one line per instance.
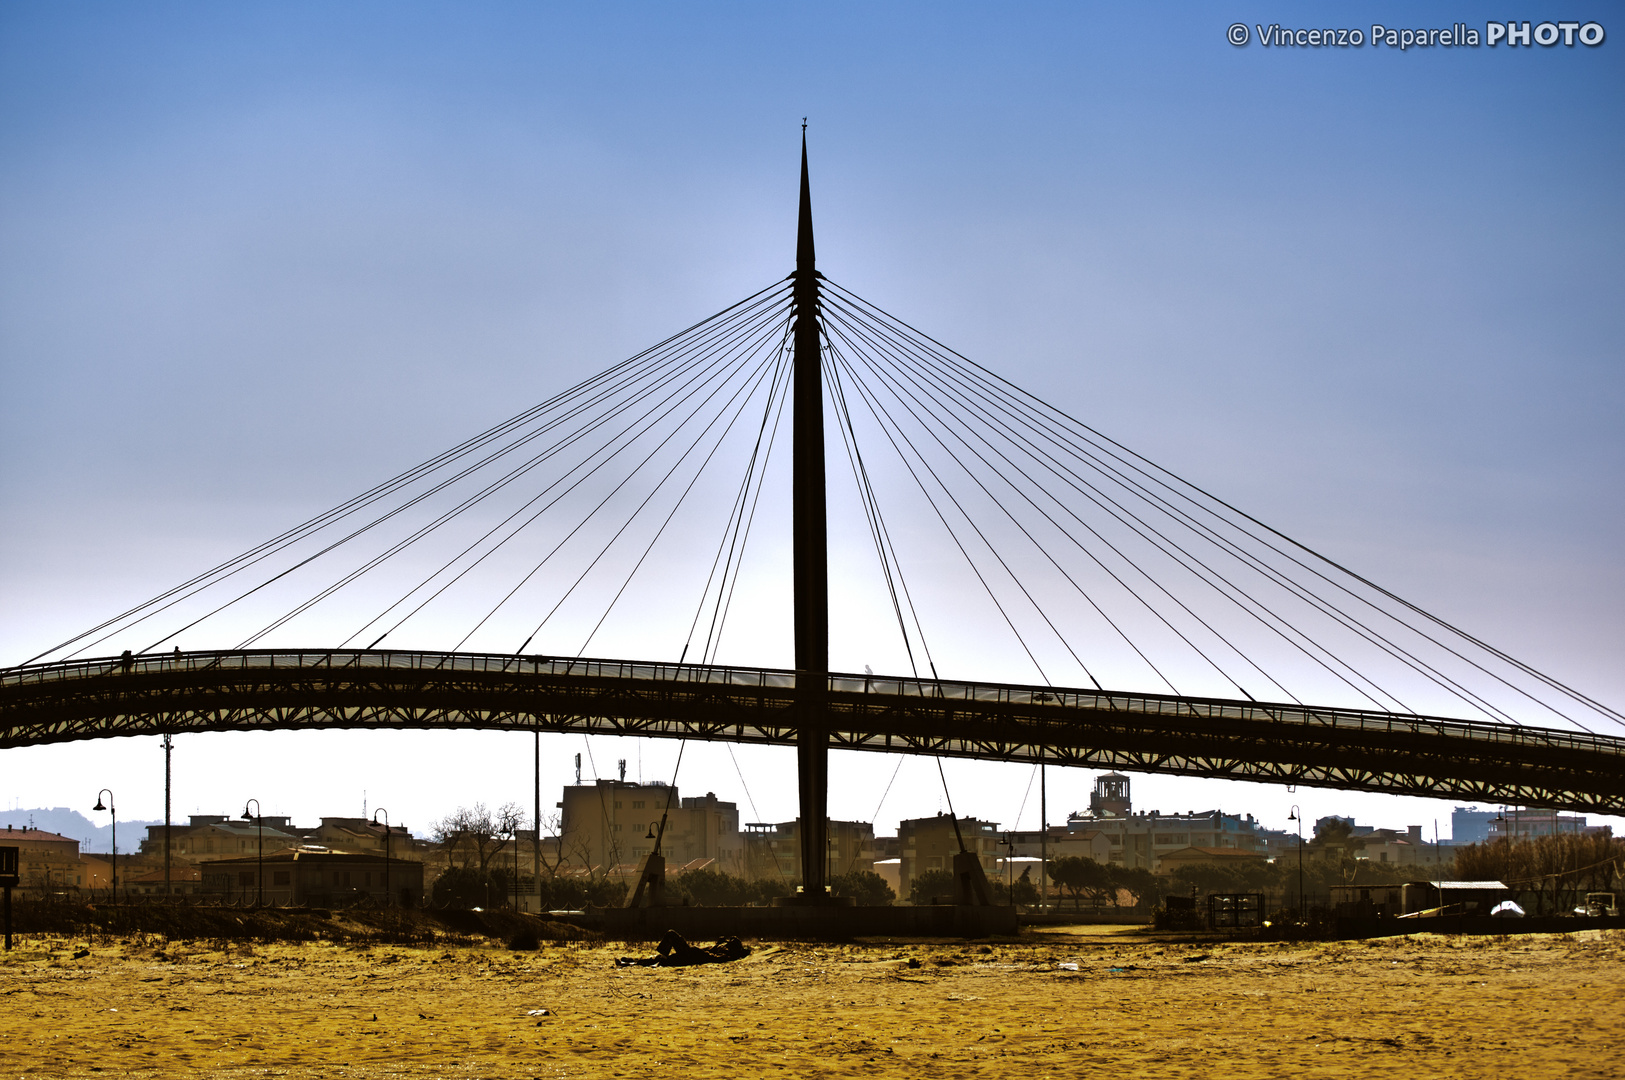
point(811, 554)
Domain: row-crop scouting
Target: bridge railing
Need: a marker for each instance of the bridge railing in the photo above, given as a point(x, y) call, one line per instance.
point(156, 663)
point(1064, 700)
point(1219, 708)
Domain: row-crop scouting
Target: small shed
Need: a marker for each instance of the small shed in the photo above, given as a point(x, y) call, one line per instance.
point(1423, 899)
point(1367, 901)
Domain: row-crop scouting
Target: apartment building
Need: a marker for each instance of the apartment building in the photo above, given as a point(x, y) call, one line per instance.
point(773, 850)
point(609, 826)
point(931, 843)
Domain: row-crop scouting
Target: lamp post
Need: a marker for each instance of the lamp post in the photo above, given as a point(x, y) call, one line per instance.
point(1506, 840)
point(259, 875)
point(1297, 816)
point(375, 814)
point(113, 811)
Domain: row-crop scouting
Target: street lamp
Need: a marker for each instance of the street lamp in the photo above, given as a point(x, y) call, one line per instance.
point(1010, 865)
point(375, 814)
point(259, 876)
point(111, 810)
point(1298, 817)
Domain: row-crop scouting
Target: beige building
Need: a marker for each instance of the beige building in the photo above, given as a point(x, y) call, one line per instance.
point(217, 836)
point(51, 864)
point(931, 843)
point(315, 878)
point(608, 827)
point(1407, 849)
point(1091, 844)
point(208, 837)
point(359, 834)
point(1189, 856)
point(1142, 839)
point(773, 851)
point(185, 879)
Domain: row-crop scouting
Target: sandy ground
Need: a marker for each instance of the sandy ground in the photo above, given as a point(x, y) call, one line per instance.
point(1537, 1006)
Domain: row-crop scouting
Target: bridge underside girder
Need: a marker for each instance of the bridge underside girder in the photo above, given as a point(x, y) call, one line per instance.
point(198, 692)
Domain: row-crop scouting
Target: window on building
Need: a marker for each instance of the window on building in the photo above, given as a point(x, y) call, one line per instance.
point(637, 804)
point(615, 827)
point(617, 805)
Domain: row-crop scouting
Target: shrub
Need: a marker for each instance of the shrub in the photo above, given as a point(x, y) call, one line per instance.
point(868, 888)
point(932, 886)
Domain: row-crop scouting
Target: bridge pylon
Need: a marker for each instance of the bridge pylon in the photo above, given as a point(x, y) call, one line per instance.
point(810, 547)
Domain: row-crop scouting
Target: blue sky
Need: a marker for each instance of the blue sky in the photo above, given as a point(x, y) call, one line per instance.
point(255, 257)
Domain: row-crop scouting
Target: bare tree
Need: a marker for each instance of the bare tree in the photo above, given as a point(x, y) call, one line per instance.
point(1546, 866)
point(478, 833)
point(563, 848)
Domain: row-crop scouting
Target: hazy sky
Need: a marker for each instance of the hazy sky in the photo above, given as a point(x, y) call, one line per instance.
point(256, 257)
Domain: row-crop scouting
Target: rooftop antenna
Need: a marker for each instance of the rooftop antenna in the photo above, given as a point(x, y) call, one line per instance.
point(623, 770)
point(578, 768)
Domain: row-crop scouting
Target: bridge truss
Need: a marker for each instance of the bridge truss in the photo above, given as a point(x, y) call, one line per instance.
point(1341, 748)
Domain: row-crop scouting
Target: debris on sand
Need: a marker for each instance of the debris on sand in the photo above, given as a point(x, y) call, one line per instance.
point(673, 951)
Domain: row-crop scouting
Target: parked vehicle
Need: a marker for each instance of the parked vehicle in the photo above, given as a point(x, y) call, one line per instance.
point(1602, 904)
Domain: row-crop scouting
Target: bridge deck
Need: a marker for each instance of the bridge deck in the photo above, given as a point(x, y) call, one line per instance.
point(1282, 743)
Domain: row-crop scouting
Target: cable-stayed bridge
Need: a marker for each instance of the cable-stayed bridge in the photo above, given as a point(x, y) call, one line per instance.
point(528, 542)
point(1239, 740)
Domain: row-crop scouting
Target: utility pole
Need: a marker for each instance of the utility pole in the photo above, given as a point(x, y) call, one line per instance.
point(536, 848)
point(809, 530)
point(168, 891)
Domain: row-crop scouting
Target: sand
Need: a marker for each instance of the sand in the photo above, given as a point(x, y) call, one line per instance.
point(1059, 1004)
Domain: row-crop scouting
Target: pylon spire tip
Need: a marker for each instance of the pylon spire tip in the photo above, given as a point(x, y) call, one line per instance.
point(805, 259)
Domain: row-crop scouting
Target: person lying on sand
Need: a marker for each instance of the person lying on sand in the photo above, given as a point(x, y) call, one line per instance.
point(673, 951)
